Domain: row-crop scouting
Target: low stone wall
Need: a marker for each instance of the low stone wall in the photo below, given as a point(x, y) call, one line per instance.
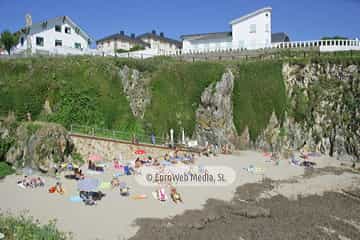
point(109, 148)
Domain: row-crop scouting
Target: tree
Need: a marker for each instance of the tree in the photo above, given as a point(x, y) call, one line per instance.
point(8, 40)
point(335, 38)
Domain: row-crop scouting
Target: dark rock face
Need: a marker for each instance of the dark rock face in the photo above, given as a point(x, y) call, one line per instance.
point(214, 117)
point(40, 145)
point(136, 90)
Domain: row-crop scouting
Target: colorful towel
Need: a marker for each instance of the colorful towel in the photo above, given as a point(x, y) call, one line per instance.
point(105, 185)
point(139, 197)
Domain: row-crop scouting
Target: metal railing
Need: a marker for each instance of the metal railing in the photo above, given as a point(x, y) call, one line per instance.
point(116, 135)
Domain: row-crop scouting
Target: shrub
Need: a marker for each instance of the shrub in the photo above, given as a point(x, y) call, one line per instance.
point(5, 169)
point(25, 227)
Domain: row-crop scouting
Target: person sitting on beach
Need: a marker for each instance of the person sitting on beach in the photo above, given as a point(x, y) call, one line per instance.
point(138, 163)
point(161, 195)
point(78, 174)
point(92, 166)
point(155, 162)
point(124, 190)
point(115, 182)
point(175, 196)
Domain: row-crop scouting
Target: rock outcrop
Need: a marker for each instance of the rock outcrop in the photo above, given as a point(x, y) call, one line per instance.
point(214, 116)
point(135, 86)
point(40, 145)
point(325, 106)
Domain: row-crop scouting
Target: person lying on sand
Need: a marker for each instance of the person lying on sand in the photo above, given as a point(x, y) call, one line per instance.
point(32, 182)
point(175, 196)
point(78, 175)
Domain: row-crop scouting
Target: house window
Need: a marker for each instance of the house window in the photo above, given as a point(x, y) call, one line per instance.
point(39, 41)
point(57, 28)
point(68, 30)
point(253, 28)
point(78, 45)
point(22, 41)
point(58, 43)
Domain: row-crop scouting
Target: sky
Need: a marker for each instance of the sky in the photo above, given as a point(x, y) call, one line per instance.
point(300, 19)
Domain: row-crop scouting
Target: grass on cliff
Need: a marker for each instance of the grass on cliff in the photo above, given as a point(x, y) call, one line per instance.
point(81, 90)
point(5, 170)
point(176, 90)
point(25, 227)
point(259, 90)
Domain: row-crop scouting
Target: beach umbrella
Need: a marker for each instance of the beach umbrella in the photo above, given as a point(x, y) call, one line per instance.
point(140, 152)
point(88, 184)
point(95, 157)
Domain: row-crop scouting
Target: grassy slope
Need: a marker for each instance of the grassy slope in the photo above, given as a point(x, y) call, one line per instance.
point(81, 90)
point(259, 90)
point(176, 90)
point(87, 90)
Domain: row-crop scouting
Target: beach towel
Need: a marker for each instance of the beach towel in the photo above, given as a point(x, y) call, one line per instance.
point(139, 197)
point(75, 199)
point(105, 185)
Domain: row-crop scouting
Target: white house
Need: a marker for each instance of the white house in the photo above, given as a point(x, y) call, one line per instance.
point(152, 44)
point(252, 31)
point(119, 42)
point(59, 35)
point(160, 43)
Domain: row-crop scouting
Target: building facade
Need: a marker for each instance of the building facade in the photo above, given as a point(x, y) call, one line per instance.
point(59, 35)
point(118, 43)
point(252, 31)
point(160, 43)
point(148, 42)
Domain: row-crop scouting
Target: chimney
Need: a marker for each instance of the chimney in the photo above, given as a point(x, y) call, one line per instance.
point(153, 32)
point(133, 35)
point(161, 34)
point(122, 33)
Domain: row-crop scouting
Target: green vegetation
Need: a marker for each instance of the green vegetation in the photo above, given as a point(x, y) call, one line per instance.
point(8, 40)
point(137, 48)
point(24, 227)
point(32, 128)
point(81, 90)
point(5, 169)
point(88, 91)
point(176, 90)
point(336, 37)
point(259, 90)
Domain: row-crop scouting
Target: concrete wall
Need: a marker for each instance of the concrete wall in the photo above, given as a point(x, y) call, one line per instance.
point(109, 149)
point(206, 45)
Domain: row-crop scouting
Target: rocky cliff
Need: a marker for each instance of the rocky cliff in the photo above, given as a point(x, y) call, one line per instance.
point(214, 116)
point(323, 112)
point(39, 145)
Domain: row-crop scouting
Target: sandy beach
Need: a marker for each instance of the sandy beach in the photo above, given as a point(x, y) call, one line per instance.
point(114, 216)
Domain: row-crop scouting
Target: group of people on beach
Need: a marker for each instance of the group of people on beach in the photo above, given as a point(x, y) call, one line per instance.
point(31, 182)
